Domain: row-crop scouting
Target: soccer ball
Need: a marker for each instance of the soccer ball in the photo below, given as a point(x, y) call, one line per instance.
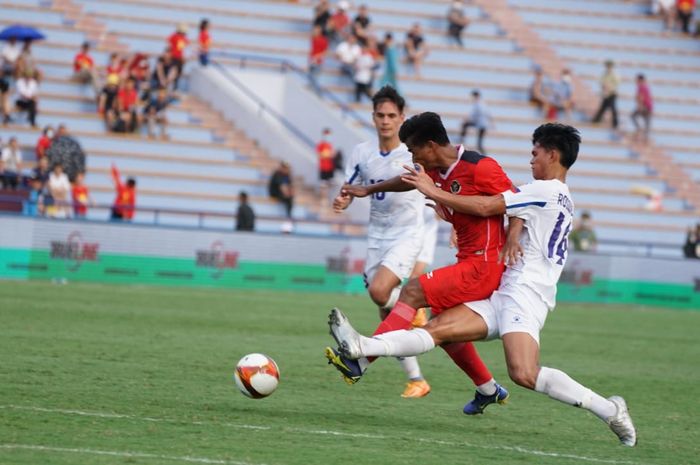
point(257, 375)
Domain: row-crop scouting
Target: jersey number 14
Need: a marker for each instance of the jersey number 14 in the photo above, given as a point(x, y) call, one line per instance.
point(559, 242)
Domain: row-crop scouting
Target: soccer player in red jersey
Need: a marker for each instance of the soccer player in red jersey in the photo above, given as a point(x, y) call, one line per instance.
point(478, 270)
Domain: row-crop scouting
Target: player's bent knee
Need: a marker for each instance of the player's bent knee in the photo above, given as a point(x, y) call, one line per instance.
point(412, 294)
point(378, 295)
point(523, 376)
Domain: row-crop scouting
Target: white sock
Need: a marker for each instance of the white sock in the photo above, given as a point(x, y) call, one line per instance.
point(488, 388)
point(411, 367)
point(393, 298)
point(560, 386)
point(401, 343)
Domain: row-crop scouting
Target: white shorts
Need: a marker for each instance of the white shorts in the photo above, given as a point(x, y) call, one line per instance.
point(398, 255)
point(427, 251)
point(512, 310)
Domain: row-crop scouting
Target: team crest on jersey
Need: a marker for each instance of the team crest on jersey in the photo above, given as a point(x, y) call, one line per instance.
point(455, 187)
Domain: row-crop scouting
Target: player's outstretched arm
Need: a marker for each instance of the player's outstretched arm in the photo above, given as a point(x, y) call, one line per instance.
point(477, 205)
point(512, 250)
point(394, 184)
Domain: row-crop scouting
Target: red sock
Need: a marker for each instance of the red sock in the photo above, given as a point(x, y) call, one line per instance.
point(400, 317)
point(466, 357)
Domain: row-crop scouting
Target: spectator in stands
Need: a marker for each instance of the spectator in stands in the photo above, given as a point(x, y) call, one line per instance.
point(480, 118)
point(154, 113)
point(165, 72)
point(34, 205)
point(609, 83)
point(281, 188)
point(583, 236)
point(28, 95)
point(26, 62)
point(116, 67)
point(339, 23)
point(457, 21)
point(41, 171)
point(10, 54)
point(347, 53)
point(322, 14)
point(643, 109)
point(5, 78)
point(124, 205)
point(364, 73)
point(59, 188)
point(106, 102)
point(44, 142)
point(204, 42)
point(326, 162)
point(12, 164)
point(685, 9)
point(66, 150)
point(178, 44)
point(391, 62)
point(317, 54)
point(416, 48)
point(539, 88)
point(245, 216)
point(361, 24)
point(127, 107)
point(667, 10)
point(560, 97)
point(691, 248)
point(139, 70)
point(81, 196)
point(84, 66)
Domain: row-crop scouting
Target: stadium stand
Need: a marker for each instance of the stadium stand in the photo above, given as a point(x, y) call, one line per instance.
point(503, 43)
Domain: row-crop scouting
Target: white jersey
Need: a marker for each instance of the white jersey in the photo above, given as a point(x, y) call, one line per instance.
point(392, 214)
point(548, 211)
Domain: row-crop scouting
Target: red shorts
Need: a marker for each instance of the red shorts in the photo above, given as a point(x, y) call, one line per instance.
point(463, 282)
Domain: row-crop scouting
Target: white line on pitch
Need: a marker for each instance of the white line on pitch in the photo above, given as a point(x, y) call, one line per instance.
point(519, 449)
point(115, 453)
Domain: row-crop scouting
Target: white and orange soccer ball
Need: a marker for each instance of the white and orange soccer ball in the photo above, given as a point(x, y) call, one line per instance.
point(257, 375)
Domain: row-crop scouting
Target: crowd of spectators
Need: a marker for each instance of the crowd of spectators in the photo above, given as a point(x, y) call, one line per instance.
point(675, 14)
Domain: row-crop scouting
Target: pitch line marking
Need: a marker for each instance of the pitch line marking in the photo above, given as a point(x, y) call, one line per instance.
point(519, 449)
point(115, 453)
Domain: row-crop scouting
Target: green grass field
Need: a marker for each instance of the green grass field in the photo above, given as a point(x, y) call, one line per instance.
point(94, 374)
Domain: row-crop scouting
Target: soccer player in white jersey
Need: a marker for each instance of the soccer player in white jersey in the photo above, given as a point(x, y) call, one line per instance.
point(395, 231)
point(541, 216)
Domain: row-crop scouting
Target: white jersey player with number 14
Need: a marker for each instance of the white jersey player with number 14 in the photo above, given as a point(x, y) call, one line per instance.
point(395, 230)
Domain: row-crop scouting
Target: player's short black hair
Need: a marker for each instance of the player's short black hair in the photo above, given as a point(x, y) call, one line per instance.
point(131, 182)
point(419, 129)
point(555, 136)
point(388, 94)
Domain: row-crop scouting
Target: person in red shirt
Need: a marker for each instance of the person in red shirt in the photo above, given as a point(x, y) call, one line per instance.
point(319, 48)
point(84, 66)
point(326, 163)
point(81, 196)
point(127, 100)
point(178, 43)
point(339, 23)
point(124, 205)
point(685, 10)
point(478, 270)
point(44, 142)
point(204, 41)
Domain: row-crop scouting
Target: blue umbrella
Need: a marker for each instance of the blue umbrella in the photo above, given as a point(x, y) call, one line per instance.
point(20, 32)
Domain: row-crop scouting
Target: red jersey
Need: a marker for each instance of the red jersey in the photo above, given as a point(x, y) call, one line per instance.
point(125, 202)
point(42, 146)
point(127, 98)
point(80, 200)
point(178, 41)
point(82, 61)
point(319, 45)
point(474, 174)
point(324, 149)
point(204, 41)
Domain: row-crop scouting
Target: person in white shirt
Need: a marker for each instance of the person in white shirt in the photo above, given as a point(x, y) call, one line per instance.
point(28, 95)
point(12, 164)
point(10, 54)
point(59, 188)
point(541, 218)
point(347, 53)
point(364, 74)
point(480, 118)
point(395, 231)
